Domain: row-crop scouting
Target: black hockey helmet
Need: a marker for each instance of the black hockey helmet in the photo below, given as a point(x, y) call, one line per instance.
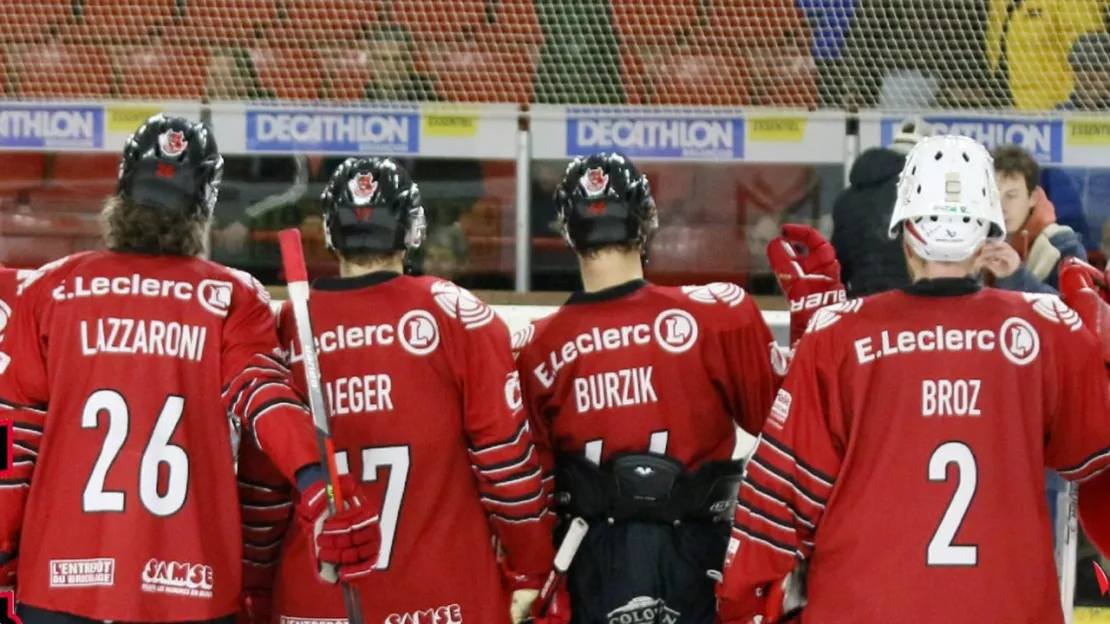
point(371, 205)
point(605, 200)
point(173, 164)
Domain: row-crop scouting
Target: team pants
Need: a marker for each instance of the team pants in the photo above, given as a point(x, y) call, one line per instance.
point(647, 573)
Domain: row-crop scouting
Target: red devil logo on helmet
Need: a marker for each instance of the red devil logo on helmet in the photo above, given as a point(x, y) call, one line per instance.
point(172, 143)
point(363, 186)
point(595, 181)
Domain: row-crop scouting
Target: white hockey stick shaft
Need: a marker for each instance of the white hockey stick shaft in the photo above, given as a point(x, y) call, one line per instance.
point(296, 276)
point(563, 558)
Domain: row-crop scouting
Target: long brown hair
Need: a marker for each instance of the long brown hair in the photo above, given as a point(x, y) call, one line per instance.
point(128, 226)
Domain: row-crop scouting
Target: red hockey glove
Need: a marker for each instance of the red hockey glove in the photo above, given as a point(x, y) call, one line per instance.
point(1085, 289)
point(807, 270)
point(347, 543)
point(558, 612)
point(255, 607)
point(525, 590)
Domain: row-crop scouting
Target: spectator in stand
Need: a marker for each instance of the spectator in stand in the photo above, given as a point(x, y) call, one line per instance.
point(1035, 244)
point(389, 51)
point(1028, 45)
point(256, 190)
point(870, 261)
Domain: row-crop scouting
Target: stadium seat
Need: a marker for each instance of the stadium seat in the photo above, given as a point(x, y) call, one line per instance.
point(515, 22)
point(437, 18)
point(163, 72)
point(348, 71)
point(681, 75)
point(124, 21)
point(229, 22)
point(21, 171)
point(762, 23)
point(30, 21)
point(641, 22)
point(481, 71)
point(293, 73)
point(77, 183)
point(329, 23)
point(64, 71)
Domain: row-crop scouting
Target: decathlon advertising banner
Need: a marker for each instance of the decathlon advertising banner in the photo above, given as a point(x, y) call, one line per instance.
point(688, 134)
point(1065, 138)
point(401, 130)
point(333, 132)
point(51, 127)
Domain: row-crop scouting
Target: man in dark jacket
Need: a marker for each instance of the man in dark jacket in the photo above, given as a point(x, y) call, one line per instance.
point(870, 262)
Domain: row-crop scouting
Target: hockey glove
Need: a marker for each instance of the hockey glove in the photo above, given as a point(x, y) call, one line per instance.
point(558, 612)
point(525, 591)
point(255, 607)
point(807, 270)
point(346, 544)
point(1084, 288)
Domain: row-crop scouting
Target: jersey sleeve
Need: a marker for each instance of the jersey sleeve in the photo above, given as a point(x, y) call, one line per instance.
point(787, 483)
point(266, 507)
point(533, 406)
point(753, 366)
point(1078, 436)
point(24, 395)
point(501, 448)
point(258, 389)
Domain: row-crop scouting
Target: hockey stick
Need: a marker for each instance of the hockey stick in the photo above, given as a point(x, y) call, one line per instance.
point(1068, 548)
point(565, 555)
point(296, 276)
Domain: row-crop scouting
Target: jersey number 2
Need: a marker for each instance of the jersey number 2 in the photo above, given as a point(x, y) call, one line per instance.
point(398, 460)
point(158, 451)
point(941, 550)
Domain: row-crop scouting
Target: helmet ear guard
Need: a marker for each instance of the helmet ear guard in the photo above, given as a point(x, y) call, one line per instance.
point(370, 205)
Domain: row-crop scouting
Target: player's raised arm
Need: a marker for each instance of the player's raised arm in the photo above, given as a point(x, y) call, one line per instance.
point(1078, 430)
point(788, 482)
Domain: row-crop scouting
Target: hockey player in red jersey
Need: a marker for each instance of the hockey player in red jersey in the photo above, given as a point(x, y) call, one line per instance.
point(426, 410)
point(9, 281)
point(129, 372)
point(903, 459)
point(635, 391)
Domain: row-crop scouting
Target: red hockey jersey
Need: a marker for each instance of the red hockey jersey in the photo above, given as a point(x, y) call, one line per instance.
point(904, 457)
point(124, 369)
point(426, 411)
point(9, 282)
point(641, 367)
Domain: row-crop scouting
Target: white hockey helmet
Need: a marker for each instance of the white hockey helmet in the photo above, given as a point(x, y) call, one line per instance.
point(948, 203)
